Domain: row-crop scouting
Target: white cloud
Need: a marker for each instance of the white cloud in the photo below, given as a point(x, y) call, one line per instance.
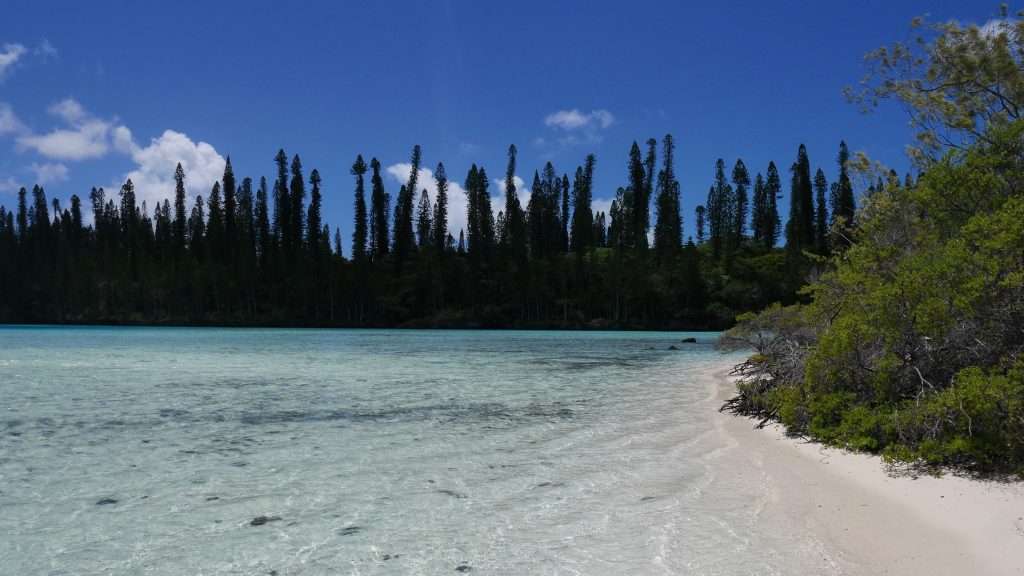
point(498, 194)
point(153, 175)
point(85, 137)
point(458, 201)
point(577, 127)
point(468, 148)
point(48, 173)
point(68, 109)
point(8, 184)
point(9, 56)
point(46, 49)
point(602, 205)
point(9, 123)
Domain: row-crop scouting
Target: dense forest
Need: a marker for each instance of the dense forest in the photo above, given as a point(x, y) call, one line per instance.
point(912, 342)
point(259, 253)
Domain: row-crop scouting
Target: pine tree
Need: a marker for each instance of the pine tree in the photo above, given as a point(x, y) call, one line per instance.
point(215, 224)
point(297, 212)
point(180, 219)
point(700, 221)
point(820, 213)
point(758, 209)
point(741, 181)
point(843, 204)
point(281, 227)
point(264, 240)
point(316, 239)
point(564, 218)
point(360, 234)
point(404, 232)
point(230, 211)
point(668, 228)
point(582, 216)
point(720, 218)
point(380, 213)
point(800, 227)
point(423, 222)
point(439, 226)
point(772, 191)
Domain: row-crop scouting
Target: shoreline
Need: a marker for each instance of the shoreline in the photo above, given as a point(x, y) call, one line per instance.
point(874, 523)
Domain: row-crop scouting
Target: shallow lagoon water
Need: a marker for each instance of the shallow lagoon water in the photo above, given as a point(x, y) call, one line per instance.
point(152, 451)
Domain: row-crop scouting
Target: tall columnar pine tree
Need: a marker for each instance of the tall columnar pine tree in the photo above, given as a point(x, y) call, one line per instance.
point(800, 228)
point(281, 229)
point(360, 233)
point(720, 219)
point(843, 204)
point(180, 218)
point(565, 216)
point(297, 212)
point(215, 224)
point(380, 214)
point(264, 239)
point(423, 222)
point(758, 207)
point(699, 217)
point(772, 190)
point(316, 238)
point(230, 212)
point(439, 226)
point(582, 197)
point(668, 228)
point(404, 234)
point(741, 181)
point(820, 213)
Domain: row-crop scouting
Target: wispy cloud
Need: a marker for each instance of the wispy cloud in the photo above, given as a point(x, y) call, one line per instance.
point(48, 173)
point(9, 123)
point(574, 119)
point(9, 57)
point(84, 137)
point(577, 128)
point(8, 184)
point(45, 49)
point(468, 148)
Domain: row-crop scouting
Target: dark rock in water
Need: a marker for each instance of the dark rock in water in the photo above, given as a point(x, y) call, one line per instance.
point(463, 568)
point(452, 493)
point(350, 530)
point(673, 347)
point(647, 498)
point(690, 340)
point(390, 556)
point(212, 498)
point(106, 501)
point(261, 520)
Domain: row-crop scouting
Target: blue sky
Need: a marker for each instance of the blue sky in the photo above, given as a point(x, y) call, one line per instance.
point(93, 92)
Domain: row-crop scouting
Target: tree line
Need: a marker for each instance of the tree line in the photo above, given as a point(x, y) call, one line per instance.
point(260, 253)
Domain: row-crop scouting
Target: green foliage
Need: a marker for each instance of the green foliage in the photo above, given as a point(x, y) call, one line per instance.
point(913, 344)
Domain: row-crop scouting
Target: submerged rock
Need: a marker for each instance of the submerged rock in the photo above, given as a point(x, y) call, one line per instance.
point(452, 493)
point(106, 501)
point(349, 530)
point(690, 340)
point(463, 568)
point(261, 520)
point(673, 347)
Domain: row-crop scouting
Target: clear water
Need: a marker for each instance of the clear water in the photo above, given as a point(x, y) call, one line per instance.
point(152, 450)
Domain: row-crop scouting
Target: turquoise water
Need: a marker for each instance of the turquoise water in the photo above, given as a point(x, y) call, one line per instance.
point(152, 451)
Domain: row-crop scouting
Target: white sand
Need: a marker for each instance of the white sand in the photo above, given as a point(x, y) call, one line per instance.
point(874, 523)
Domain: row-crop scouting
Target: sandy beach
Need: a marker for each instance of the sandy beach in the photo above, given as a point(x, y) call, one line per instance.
point(871, 522)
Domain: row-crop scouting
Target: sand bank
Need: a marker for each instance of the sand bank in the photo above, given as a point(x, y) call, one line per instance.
point(873, 522)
